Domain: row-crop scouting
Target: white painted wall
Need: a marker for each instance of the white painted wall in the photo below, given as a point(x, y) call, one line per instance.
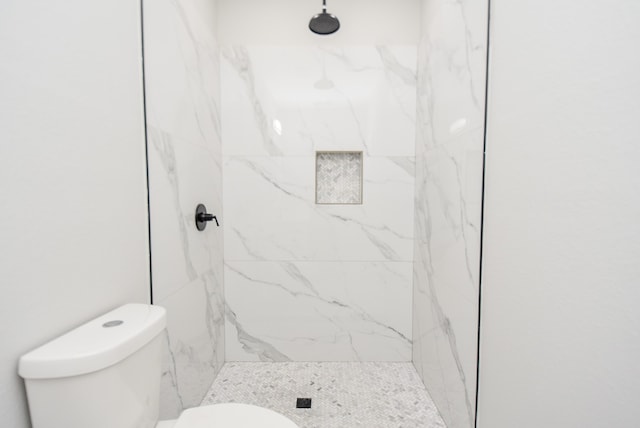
point(560, 319)
point(73, 222)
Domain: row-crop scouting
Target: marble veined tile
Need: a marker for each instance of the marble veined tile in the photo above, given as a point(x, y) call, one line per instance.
point(271, 214)
point(440, 358)
point(451, 70)
point(307, 281)
point(182, 71)
point(344, 395)
point(182, 91)
point(295, 100)
point(446, 275)
point(449, 157)
point(318, 311)
point(195, 343)
point(182, 176)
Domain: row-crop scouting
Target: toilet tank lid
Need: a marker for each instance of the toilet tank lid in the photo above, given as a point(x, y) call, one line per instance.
point(98, 344)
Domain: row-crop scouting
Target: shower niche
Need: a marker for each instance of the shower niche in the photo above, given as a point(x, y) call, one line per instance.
point(338, 178)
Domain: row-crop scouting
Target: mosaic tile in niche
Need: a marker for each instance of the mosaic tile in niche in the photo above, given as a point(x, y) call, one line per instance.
point(338, 177)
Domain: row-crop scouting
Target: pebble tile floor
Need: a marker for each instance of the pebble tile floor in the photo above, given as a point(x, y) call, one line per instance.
point(344, 395)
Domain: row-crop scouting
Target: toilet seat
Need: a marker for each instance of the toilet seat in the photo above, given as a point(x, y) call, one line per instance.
point(232, 415)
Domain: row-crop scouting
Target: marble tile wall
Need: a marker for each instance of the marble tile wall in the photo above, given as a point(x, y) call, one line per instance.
point(449, 152)
point(185, 162)
point(307, 282)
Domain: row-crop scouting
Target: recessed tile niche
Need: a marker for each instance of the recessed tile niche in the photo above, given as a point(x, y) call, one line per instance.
point(338, 177)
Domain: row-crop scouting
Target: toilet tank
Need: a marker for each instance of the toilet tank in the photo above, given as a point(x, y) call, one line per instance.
point(103, 374)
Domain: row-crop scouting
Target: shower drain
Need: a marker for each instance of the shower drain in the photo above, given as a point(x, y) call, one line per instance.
point(303, 403)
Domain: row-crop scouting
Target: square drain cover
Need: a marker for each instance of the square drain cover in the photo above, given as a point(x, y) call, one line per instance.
point(303, 403)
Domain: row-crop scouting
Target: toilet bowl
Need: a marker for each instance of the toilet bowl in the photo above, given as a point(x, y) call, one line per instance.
point(230, 415)
point(106, 374)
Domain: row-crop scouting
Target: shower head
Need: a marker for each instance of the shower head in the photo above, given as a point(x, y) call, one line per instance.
point(324, 23)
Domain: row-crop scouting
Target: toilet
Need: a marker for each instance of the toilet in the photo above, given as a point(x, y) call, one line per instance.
point(106, 374)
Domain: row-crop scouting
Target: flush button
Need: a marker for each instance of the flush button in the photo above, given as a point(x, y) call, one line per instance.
point(113, 323)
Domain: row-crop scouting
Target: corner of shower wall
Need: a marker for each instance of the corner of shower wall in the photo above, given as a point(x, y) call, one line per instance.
point(182, 81)
point(449, 162)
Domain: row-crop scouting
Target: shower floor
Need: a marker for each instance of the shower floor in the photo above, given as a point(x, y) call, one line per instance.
point(344, 395)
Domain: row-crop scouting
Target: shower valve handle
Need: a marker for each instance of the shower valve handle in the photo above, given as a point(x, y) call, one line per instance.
point(208, 217)
point(202, 217)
